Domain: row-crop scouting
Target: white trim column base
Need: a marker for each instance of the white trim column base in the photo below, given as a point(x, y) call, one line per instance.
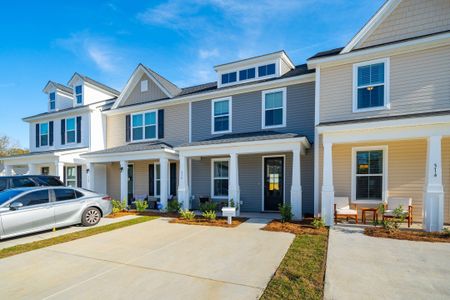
point(183, 186)
point(124, 181)
point(59, 169)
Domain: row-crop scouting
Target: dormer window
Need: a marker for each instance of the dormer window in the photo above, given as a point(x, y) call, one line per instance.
point(144, 86)
point(247, 74)
point(52, 100)
point(229, 77)
point(266, 70)
point(79, 94)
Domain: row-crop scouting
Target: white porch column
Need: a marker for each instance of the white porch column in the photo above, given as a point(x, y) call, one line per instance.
point(296, 188)
point(327, 185)
point(233, 182)
point(8, 170)
point(124, 181)
point(183, 182)
point(33, 169)
point(433, 213)
point(164, 181)
point(59, 169)
point(90, 176)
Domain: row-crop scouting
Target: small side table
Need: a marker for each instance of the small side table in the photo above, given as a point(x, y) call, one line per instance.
point(369, 209)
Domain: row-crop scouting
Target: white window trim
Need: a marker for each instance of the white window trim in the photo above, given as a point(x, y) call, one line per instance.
point(50, 102)
point(384, 194)
point(67, 177)
point(80, 94)
point(263, 179)
point(212, 176)
point(230, 115)
point(48, 134)
point(387, 104)
point(144, 86)
point(263, 112)
point(67, 131)
point(143, 126)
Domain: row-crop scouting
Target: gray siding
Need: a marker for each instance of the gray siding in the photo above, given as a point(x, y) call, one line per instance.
point(153, 93)
point(246, 113)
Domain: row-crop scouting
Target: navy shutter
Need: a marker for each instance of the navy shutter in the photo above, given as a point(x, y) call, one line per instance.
point(151, 180)
point(50, 131)
point(79, 176)
point(37, 136)
point(127, 128)
point(64, 175)
point(173, 179)
point(79, 129)
point(161, 124)
point(63, 131)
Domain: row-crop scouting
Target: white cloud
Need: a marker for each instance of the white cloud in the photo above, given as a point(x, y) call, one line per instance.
point(205, 53)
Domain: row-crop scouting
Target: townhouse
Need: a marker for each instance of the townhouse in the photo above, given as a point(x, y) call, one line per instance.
point(366, 121)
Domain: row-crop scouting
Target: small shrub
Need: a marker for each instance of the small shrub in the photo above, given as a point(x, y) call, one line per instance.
point(208, 206)
point(446, 232)
point(210, 215)
point(173, 206)
point(141, 205)
point(119, 206)
point(187, 214)
point(286, 212)
point(318, 223)
point(392, 224)
point(232, 203)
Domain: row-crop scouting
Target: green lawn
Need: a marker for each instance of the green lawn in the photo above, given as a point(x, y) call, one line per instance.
point(301, 273)
point(71, 236)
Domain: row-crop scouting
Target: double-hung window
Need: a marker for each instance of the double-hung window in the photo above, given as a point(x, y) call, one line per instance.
point(220, 178)
point(370, 85)
point(43, 134)
point(71, 132)
point(274, 108)
point(221, 115)
point(369, 174)
point(52, 100)
point(144, 126)
point(79, 94)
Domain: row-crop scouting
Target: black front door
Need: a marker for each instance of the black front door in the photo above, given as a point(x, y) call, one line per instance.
point(130, 183)
point(273, 182)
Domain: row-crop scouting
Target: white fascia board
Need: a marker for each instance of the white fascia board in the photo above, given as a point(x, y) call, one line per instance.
point(131, 156)
point(429, 42)
point(265, 146)
point(248, 61)
point(57, 114)
point(215, 94)
point(373, 24)
point(35, 158)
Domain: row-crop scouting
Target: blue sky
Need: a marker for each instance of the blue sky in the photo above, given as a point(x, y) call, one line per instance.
point(180, 39)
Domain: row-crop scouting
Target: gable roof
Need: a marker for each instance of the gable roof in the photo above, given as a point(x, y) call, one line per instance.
point(100, 85)
point(167, 87)
point(57, 86)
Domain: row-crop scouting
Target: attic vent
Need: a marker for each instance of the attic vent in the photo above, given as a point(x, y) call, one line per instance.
point(144, 86)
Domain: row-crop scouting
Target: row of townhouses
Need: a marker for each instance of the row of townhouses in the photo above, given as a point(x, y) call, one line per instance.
point(367, 121)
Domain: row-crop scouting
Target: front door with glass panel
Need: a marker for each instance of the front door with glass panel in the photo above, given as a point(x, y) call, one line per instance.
point(130, 183)
point(71, 176)
point(273, 183)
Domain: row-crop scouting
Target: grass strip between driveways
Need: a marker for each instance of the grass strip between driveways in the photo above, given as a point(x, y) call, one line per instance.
point(10, 251)
point(301, 273)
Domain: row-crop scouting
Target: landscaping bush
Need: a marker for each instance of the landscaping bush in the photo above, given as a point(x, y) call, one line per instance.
point(187, 214)
point(173, 206)
point(210, 215)
point(318, 223)
point(392, 224)
point(208, 206)
point(286, 212)
point(119, 206)
point(141, 205)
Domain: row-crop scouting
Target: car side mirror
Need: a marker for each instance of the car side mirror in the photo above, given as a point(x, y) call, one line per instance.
point(16, 205)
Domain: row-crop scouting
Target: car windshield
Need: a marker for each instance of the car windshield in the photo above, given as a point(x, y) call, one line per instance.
point(49, 181)
point(8, 194)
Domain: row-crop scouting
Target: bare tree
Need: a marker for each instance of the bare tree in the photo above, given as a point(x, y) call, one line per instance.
point(9, 147)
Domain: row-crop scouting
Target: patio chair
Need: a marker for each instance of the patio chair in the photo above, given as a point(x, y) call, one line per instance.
point(396, 202)
point(342, 209)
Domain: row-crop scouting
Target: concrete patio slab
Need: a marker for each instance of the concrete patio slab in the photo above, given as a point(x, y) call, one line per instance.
point(363, 267)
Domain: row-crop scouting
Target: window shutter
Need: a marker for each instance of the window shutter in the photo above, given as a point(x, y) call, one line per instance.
point(151, 180)
point(161, 124)
point(173, 179)
point(127, 128)
point(64, 175)
point(79, 129)
point(79, 176)
point(63, 131)
point(37, 136)
point(50, 131)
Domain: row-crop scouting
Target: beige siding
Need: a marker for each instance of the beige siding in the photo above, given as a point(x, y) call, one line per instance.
point(153, 93)
point(419, 82)
point(176, 127)
point(113, 180)
point(412, 18)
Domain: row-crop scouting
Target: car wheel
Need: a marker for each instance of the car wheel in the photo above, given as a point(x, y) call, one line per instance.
point(91, 216)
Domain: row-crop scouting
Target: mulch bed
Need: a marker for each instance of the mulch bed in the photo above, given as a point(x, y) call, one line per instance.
point(409, 234)
point(295, 227)
point(145, 213)
point(219, 222)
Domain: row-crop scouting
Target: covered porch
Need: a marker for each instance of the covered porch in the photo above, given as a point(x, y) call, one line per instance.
point(373, 163)
point(255, 172)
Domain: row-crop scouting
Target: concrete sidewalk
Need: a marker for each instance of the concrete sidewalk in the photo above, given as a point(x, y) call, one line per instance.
point(59, 231)
point(151, 260)
point(363, 267)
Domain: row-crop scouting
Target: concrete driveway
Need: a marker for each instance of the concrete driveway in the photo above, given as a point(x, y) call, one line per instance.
point(152, 260)
point(363, 267)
